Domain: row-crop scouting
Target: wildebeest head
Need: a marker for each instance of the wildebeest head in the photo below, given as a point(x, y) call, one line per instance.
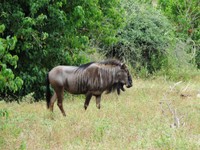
point(121, 76)
point(124, 77)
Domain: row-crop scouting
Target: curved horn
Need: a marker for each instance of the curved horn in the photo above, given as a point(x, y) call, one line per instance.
point(123, 65)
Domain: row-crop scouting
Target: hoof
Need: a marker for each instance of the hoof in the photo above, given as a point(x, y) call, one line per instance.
point(98, 106)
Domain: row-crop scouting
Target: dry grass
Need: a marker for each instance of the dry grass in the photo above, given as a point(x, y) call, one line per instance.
point(134, 120)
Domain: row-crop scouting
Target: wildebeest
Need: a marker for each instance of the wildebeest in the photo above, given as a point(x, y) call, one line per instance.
point(91, 79)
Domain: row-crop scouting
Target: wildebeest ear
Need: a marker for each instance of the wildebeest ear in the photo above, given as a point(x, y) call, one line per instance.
point(123, 66)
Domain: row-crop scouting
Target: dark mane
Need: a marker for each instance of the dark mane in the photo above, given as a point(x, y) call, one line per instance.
point(113, 62)
point(84, 66)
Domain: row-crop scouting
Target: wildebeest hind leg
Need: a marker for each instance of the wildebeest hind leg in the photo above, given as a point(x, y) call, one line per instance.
point(87, 100)
point(60, 93)
point(98, 101)
point(52, 101)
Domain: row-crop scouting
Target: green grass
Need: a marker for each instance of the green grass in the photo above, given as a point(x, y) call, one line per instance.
point(133, 120)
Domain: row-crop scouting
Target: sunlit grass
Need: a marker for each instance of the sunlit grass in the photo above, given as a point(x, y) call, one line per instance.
point(133, 120)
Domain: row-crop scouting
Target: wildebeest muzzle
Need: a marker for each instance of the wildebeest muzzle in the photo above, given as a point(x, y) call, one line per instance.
point(129, 82)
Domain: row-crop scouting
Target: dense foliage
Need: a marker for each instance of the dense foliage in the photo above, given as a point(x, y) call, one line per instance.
point(153, 41)
point(8, 81)
point(185, 15)
point(145, 39)
point(55, 32)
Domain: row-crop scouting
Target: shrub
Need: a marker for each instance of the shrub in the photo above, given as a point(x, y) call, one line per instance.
point(8, 81)
point(144, 40)
point(185, 17)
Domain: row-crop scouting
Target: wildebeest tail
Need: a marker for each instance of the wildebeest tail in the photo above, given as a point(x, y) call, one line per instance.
point(48, 92)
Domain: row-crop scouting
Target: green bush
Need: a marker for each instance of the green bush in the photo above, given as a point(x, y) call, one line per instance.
point(144, 39)
point(185, 17)
point(8, 62)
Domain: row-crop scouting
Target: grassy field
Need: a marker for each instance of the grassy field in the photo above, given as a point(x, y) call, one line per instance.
point(153, 114)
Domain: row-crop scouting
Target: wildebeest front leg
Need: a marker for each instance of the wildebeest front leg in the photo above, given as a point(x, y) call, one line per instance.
point(87, 100)
point(98, 101)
